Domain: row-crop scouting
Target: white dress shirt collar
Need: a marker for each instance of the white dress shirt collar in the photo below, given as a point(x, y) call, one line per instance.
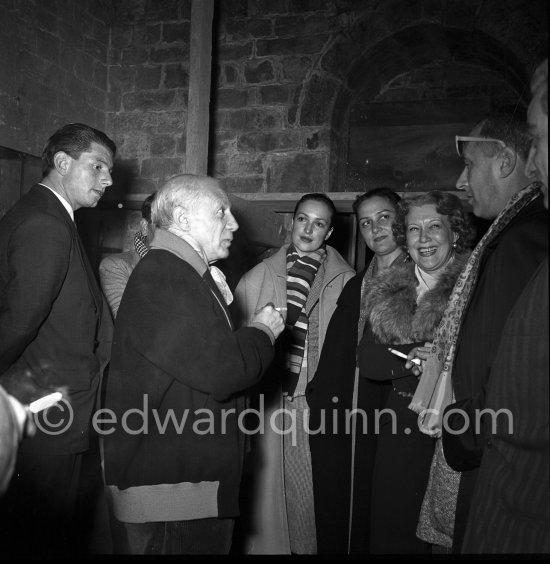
point(66, 204)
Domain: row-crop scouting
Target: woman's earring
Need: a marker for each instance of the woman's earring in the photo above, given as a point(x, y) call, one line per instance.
point(454, 245)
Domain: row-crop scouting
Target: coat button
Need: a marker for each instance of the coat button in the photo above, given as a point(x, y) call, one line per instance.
point(489, 443)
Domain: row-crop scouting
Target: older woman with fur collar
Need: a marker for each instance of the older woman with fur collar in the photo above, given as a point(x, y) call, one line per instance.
point(404, 307)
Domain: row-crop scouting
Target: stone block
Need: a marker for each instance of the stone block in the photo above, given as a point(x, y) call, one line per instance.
point(147, 101)
point(162, 145)
point(95, 48)
point(291, 45)
point(242, 184)
point(129, 165)
point(84, 68)
point(162, 168)
point(274, 94)
point(181, 101)
point(272, 141)
point(229, 98)
point(100, 75)
point(114, 57)
point(298, 173)
point(231, 74)
point(170, 121)
point(398, 16)
point(114, 102)
point(234, 52)
point(101, 32)
point(295, 68)
point(235, 30)
point(135, 56)
point(233, 9)
point(148, 78)
point(176, 53)
point(121, 78)
point(224, 141)
point(142, 186)
point(255, 72)
point(266, 7)
point(317, 140)
point(175, 76)
point(318, 101)
point(121, 36)
point(47, 46)
point(146, 35)
point(134, 121)
point(185, 10)
point(162, 9)
point(219, 165)
point(310, 5)
point(303, 25)
point(250, 119)
point(245, 165)
point(340, 57)
point(176, 32)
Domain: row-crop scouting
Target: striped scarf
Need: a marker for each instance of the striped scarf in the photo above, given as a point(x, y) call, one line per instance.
point(301, 272)
point(434, 392)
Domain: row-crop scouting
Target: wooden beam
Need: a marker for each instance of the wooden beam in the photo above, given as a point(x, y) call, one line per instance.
point(198, 107)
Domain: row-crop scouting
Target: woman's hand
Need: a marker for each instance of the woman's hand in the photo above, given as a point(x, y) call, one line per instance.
point(420, 353)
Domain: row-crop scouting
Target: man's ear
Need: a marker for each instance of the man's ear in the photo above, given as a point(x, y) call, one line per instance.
point(180, 218)
point(62, 161)
point(143, 226)
point(507, 161)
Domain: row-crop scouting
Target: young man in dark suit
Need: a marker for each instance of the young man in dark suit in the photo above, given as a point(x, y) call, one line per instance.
point(55, 333)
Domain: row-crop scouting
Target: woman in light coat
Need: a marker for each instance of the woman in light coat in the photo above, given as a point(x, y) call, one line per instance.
point(303, 280)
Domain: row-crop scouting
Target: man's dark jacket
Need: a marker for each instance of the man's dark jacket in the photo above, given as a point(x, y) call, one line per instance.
point(177, 358)
point(55, 327)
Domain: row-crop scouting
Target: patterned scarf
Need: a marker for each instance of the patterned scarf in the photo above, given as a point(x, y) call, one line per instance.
point(434, 392)
point(140, 244)
point(301, 272)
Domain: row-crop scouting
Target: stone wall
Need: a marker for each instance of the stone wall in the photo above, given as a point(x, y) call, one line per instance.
point(288, 77)
point(53, 68)
point(288, 73)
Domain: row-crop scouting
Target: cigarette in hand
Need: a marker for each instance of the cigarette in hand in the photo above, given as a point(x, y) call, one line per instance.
point(45, 402)
point(416, 361)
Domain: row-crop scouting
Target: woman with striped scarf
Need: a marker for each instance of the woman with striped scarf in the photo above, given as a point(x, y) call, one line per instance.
point(303, 279)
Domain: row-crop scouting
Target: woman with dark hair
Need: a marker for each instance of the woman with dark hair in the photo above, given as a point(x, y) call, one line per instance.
point(342, 502)
point(303, 280)
point(403, 309)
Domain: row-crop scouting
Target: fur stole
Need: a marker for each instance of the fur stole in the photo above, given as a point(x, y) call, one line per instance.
point(395, 317)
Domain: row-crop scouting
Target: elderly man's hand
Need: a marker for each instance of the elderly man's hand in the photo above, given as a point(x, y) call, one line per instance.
point(269, 316)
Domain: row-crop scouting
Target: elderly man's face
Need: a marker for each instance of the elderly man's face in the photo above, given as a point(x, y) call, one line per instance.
point(480, 181)
point(212, 224)
point(537, 163)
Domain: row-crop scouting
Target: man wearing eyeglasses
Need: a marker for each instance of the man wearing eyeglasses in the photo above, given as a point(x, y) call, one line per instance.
point(498, 189)
point(510, 509)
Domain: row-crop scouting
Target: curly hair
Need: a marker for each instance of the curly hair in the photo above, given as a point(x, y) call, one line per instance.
point(446, 204)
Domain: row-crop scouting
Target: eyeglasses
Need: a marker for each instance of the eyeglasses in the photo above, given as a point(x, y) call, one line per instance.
point(460, 140)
